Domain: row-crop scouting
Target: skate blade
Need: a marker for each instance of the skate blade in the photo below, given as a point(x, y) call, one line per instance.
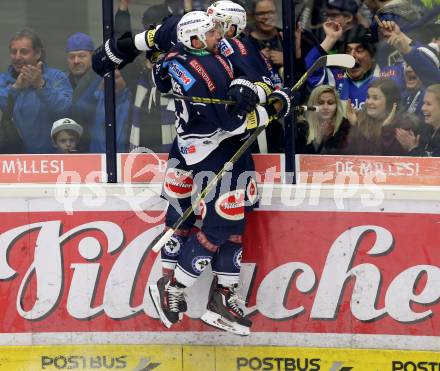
point(222, 323)
point(155, 296)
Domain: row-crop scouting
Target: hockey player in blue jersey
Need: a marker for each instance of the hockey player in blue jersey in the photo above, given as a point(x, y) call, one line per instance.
point(241, 52)
point(246, 59)
point(207, 137)
point(197, 142)
point(236, 45)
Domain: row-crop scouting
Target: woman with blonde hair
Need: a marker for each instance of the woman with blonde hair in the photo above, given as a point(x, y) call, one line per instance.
point(326, 130)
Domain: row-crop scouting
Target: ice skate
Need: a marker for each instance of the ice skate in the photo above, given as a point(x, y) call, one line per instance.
point(224, 313)
point(169, 301)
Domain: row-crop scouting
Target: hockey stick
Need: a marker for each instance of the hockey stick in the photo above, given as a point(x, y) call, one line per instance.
point(223, 101)
point(342, 60)
point(339, 60)
point(198, 99)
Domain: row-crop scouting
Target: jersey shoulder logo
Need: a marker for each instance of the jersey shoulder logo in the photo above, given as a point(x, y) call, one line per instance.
point(181, 75)
point(225, 48)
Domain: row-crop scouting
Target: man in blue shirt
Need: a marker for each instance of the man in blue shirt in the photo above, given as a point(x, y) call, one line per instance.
point(41, 94)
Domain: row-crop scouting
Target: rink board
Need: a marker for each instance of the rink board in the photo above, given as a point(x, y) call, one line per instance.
point(339, 268)
point(205, 358)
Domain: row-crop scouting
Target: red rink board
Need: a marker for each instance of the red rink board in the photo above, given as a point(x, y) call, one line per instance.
point(303, 281)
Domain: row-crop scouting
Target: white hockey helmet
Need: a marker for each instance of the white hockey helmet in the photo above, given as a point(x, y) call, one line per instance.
point(194, 24)
point(228, 13)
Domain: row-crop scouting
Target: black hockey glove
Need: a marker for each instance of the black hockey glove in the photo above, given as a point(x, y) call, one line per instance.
point(114, 54)
point(279, 103)
point(245, 93)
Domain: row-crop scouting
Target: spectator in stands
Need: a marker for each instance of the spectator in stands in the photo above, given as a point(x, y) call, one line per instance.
point(152, 115)
point(84, 81)
point(266, 34)
point(435, 44)
point(401, 12)
point(427, 141)
point(152, 120)
point(412, 96)
point(353, 83)
point(425, 58)
point(65, 135)
point(41, 94)
point(123, 105)
point(342, 12)
point(327, 130)
point(379, 121)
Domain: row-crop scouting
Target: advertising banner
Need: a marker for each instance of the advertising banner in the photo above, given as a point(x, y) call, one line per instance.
point(206, 358)
point(308, 273)
point(91, 168)
point(384, 170)
point(53, 168)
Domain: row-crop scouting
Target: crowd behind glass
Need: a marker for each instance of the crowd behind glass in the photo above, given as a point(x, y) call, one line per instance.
point(387, 104)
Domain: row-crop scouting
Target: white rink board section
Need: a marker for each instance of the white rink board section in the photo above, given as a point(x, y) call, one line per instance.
point(107, 197)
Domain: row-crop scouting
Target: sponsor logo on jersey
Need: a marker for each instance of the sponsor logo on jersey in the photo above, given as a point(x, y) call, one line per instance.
point(231, 205)
point(199, 263)
point(178, 183)
point(181, 75)
point(203, 74)
point(237, 258)
point(226, 66)
point(252, 191)
point(225, 48)
point(241, 47)
point(187, 150)
point(172, 247)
